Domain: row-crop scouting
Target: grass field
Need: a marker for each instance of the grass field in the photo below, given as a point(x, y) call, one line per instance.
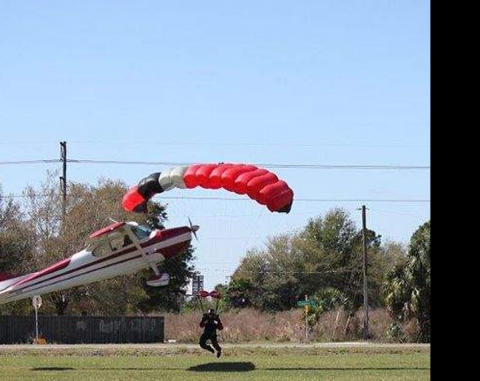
point(238, 363)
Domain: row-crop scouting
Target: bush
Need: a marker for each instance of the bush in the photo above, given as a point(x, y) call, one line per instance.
point(250, 325)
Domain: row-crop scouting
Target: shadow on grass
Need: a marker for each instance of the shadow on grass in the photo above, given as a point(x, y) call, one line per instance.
point(210, 367)
point(223, 367)
point(234, 367)
point(52, 368)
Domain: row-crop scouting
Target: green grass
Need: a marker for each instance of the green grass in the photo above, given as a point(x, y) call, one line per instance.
point(240, 364)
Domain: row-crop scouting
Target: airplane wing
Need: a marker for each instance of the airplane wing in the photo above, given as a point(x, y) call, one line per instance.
point(106, 230)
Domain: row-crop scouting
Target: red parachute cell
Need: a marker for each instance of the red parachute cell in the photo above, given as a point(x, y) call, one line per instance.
point(215, 294)
point(133, 201)
point(189, 176)
point(278, 196)
point(240, 185)
point(203, 294)
point(202, 175)
point(230, 175)
point(215, 178)
point(255, 185)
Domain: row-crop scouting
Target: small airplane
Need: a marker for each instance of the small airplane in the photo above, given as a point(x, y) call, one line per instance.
point(118, 249)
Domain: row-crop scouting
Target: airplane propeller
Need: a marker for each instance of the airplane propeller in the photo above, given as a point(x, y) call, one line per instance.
point(193, 228)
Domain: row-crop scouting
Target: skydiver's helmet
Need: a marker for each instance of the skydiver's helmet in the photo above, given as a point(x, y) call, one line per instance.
point(211, 313)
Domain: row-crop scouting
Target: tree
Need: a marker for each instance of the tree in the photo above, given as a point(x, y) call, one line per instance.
point(407, 286)
point(326, 253)
point(328, 299)
point(418, 274)
point(267, 279)
point(16, 244)
point(16, 248)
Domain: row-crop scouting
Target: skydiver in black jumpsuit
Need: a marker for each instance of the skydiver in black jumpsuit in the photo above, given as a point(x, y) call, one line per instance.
point(211, 322)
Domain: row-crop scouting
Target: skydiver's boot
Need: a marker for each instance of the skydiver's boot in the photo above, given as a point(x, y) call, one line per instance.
point(219, 353)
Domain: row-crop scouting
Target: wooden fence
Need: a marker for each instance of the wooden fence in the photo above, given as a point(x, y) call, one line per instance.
point(82, 329)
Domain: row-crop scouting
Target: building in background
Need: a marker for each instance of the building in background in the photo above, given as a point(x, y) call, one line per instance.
point(195, 285)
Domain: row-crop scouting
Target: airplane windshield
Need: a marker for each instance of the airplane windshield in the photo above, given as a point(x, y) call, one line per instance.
point(141, 231)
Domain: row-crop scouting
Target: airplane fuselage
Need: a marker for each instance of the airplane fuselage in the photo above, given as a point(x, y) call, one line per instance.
point(100, 261)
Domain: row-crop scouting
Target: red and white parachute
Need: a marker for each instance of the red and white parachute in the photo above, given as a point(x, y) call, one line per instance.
point(212, 294)
point(205, 294)
point(259, 184)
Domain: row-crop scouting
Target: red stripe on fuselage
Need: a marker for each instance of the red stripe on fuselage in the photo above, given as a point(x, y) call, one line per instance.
point(117, 254)
point(163, 235)
point(40, 285)
point(176, 249)
point(49, 270)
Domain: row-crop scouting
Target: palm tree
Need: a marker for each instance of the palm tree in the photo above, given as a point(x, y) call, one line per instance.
point(407, 287)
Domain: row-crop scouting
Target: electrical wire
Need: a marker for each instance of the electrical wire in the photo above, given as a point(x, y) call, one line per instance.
point(270, 165)
point(296, 200)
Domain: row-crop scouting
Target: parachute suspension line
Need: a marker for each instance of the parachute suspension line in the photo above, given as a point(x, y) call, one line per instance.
point(212, 294)
point(201, 304)
point(252, 232)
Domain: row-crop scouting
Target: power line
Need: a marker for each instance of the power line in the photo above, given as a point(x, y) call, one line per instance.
point(300, 199)
point(270, 165)
point(227, 144)
point(296, 200)
point(41, 161)
point(394, 212)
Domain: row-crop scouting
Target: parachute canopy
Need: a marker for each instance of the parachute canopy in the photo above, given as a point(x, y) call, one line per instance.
point(213, 294)
point(259, 184)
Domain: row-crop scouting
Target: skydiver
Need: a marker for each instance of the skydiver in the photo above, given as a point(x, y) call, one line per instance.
point(210, 322)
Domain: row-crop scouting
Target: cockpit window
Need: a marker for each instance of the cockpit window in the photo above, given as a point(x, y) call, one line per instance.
point(110, 244)
point(102, 250)
point(141, 231)
point(116, 241)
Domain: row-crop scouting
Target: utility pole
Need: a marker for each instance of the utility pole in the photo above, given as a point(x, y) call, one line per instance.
point(63, 187)
point(63, 178)
point(306, 317)
point(365, 282)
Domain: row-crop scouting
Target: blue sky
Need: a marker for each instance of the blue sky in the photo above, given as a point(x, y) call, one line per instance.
point(267, 82)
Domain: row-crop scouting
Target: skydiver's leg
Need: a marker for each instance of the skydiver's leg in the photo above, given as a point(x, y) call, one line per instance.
point(216, 345)
point(204, 345)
